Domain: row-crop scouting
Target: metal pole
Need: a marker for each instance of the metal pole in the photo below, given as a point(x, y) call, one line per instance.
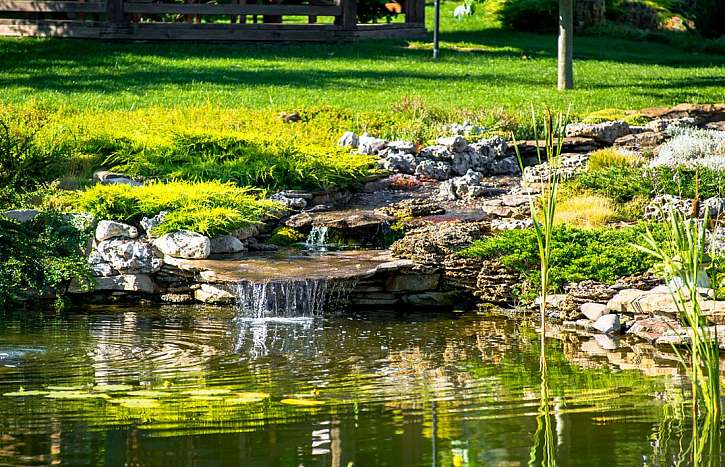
point(436, 28)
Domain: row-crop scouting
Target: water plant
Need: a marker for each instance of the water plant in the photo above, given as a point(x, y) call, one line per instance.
point(683, 261)
point(543, 219)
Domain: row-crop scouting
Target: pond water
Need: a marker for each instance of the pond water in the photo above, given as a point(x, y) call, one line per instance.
point(194, 386)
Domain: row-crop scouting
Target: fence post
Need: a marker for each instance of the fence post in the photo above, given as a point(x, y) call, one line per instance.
point(415, 11)
point(348, 19)
point(116, 16)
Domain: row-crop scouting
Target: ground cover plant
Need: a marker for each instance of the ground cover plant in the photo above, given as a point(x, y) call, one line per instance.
point(601, 254)
point(208, 208)
point(42, 255)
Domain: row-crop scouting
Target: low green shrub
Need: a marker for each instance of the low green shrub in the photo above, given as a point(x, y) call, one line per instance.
point(612, 157)
point(40, 256)
point(608, 115)
point(680, 181)
point(621, 184)
point(209, 208)
point(601, 254)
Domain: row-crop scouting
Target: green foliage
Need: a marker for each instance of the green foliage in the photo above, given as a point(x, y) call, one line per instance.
point(607, 115)
point(209, 208)
point(44, 254)
point(680, 181)
point(622, 184)
point(286, 236)
point(612, 157)
point(601, 254)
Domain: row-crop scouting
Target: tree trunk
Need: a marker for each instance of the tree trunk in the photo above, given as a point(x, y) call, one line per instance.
point(566, 44)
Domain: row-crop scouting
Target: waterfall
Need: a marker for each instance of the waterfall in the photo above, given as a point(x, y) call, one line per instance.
point(317, 238)
point(306, 298)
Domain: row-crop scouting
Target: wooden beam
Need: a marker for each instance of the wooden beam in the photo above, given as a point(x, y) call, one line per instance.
point(231, 9)
point(348, 19)
point(31, 6)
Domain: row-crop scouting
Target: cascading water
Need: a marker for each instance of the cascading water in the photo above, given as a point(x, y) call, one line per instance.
point(306, 298)
point(317, 238)
point(272, 313)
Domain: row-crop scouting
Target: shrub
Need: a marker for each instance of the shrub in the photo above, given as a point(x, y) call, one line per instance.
point(693, 148)
point(286, 236)
point(209, 208)
point(608, 115)
point(680, 181)
point(601, 254)
point(611, 157)
point(44, 254)
point(621, 184)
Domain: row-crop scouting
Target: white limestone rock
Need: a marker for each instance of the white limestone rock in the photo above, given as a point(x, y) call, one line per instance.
point(112, 229)
point(184, 244)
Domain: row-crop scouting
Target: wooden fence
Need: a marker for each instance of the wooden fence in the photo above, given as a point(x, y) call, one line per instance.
point(234, 21)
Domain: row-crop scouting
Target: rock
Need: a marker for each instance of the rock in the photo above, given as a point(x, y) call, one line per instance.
point(431, 244)
point(650, 329)
point(370, 145)
point(105, 177)
point(506, 166)
point(184, 244)
point(570, 166)
point(400, 163)
point(111, 229)
point(606, 132)
point(607, 342)
point(348, 140)
point(226, 244)
point(404, 147)
point(467, 186)
point(177, 298)
point(412, 282)
point(123, 283)
point(466, 129)
point(149, 223)
point(640, 142)
point(607, 324)
point(556, 301)
point(291, 202)
point(511, 224)
point(129, 256)
point(436, 170)
point(247, 232)
point(453, 143)
point(21, 215)
point(433, 299)
point(594, 311)
point(623, 301)
point(103, 270)
point(213, 294)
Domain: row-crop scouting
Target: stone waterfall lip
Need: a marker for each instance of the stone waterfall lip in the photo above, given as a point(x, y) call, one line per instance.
point(264, 267)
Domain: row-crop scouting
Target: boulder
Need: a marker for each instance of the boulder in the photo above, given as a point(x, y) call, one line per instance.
point(506, 166)
point(112, 229)
point(453, 143)
point(607, 324)
point(129, 256)
point(623, 301)
point(124, 283)
point(21, 215)
point(593, 311)
point(412, 282)
point(436, 170)
point(105, 177)
point(294, 203)
point(399, 163)
point(184, 244)
point(370, 145)
point(348, 140)
point(213, 294)
point(606, 132)
point(404, 147)
point(226, 244)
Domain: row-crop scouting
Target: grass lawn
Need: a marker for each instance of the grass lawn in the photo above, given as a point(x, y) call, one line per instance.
point(482, 68)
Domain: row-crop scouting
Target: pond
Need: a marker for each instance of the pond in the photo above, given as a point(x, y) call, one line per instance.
point(197, 386)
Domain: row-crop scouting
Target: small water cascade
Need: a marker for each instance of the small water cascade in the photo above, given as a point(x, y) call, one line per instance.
point(317, 238)
point(306, 298)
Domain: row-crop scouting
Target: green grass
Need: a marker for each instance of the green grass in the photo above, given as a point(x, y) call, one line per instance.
point(481, 68)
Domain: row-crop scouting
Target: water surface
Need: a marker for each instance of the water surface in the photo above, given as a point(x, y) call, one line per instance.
point(195, 386)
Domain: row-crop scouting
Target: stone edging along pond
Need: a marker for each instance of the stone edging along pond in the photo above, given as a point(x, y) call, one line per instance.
point(439, 199)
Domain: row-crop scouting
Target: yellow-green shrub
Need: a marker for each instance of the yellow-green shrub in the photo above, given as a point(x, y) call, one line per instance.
point(608, 115)
point(611, 157)
point(209, 208)
point(585, 210)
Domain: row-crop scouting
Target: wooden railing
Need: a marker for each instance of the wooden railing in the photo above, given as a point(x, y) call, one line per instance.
point(151, 20)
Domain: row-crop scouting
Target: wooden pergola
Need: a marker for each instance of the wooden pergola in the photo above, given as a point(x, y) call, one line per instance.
point(234, 21)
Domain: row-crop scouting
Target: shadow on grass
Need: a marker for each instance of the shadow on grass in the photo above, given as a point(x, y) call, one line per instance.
point(83, 66)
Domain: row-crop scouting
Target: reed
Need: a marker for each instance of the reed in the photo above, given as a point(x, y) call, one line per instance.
point(683, 261)
point(543, 451)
